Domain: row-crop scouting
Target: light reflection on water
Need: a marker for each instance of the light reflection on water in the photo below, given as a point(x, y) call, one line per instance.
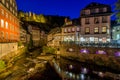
point(78, 72)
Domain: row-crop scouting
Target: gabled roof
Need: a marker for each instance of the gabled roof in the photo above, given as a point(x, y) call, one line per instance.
point(94, 4)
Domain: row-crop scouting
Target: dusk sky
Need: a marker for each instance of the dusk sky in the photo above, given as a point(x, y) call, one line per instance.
point(58, 7)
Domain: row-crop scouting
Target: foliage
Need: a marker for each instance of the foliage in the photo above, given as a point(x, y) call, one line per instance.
point(2, 64)
point(19, 43)
point(118, 10)
point(49, 50)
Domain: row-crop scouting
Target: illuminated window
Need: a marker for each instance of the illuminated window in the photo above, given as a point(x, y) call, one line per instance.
point(7, 4)
point(3, 1)
point(78, 29)
point(65, 30)
point(11, 1)
point(104, 29)
point(118, 36)
point(87, 21)
point(73, 29)
point(69, 29)
point(13, 4)
point(6, 25)
point(96, 30)
point(87, 30)
point(11, 9)
point(96, 20)
point(96, 40)
point(104, 19)
point(2, 23)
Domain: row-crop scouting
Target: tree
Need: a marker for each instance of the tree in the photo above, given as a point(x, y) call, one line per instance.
point(118, 10)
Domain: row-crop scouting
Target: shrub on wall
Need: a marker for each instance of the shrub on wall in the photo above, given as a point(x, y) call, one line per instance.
point(2, 64)
point(49, 50)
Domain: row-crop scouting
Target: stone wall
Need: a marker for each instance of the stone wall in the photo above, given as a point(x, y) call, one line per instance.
point(6, 48)
point(64, 49)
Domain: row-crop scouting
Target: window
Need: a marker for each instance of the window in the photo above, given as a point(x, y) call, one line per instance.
point(96, 20)
point(7, 4)
point(104, 29)
point(105, 9)
point(83, 12)
point(97, 10)
point(6, 15)
point(2, 11)
point(6, 35)
point(118, 29)
point(6, 25)
point(118, 36)
point(65, 30)
point(10, 18)
point(104, 19)
point(73, 29)
point(69, 29)
point(96, 40)
point(87, 12)
point(78, 29)
point(3, 1)
point(11, 9)
point(93, 11)
point(87, 30)
point(96, 30)
point(2, 35)
point(87, 21)
point(10, 1)
point(2, 23)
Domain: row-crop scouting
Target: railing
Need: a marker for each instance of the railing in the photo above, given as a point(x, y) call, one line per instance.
point(108, 44)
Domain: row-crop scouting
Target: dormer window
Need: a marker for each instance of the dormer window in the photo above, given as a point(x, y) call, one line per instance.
point(104, 9)
point(92, 11)
point(97, 10)
point(87, 12)
point(83, 12)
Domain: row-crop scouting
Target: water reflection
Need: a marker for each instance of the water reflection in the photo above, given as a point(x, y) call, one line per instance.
point(79, 71)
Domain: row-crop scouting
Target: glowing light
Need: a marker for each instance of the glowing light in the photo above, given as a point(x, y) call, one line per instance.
point(70, 49)
point(84, 70)
point(71, 66)
point(100, 52)
point(84, 51)
point(82, 76)
point(100, 74)
point(117, 54)
point(70, 74)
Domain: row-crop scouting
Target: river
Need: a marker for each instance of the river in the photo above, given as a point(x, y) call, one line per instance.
point(65, 69)
point(72, 70)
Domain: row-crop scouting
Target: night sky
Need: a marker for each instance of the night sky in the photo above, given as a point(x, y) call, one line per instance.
point(58, 7)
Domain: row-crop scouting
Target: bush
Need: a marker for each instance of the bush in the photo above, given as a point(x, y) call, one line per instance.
point(2, 64)
point(49, 50)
